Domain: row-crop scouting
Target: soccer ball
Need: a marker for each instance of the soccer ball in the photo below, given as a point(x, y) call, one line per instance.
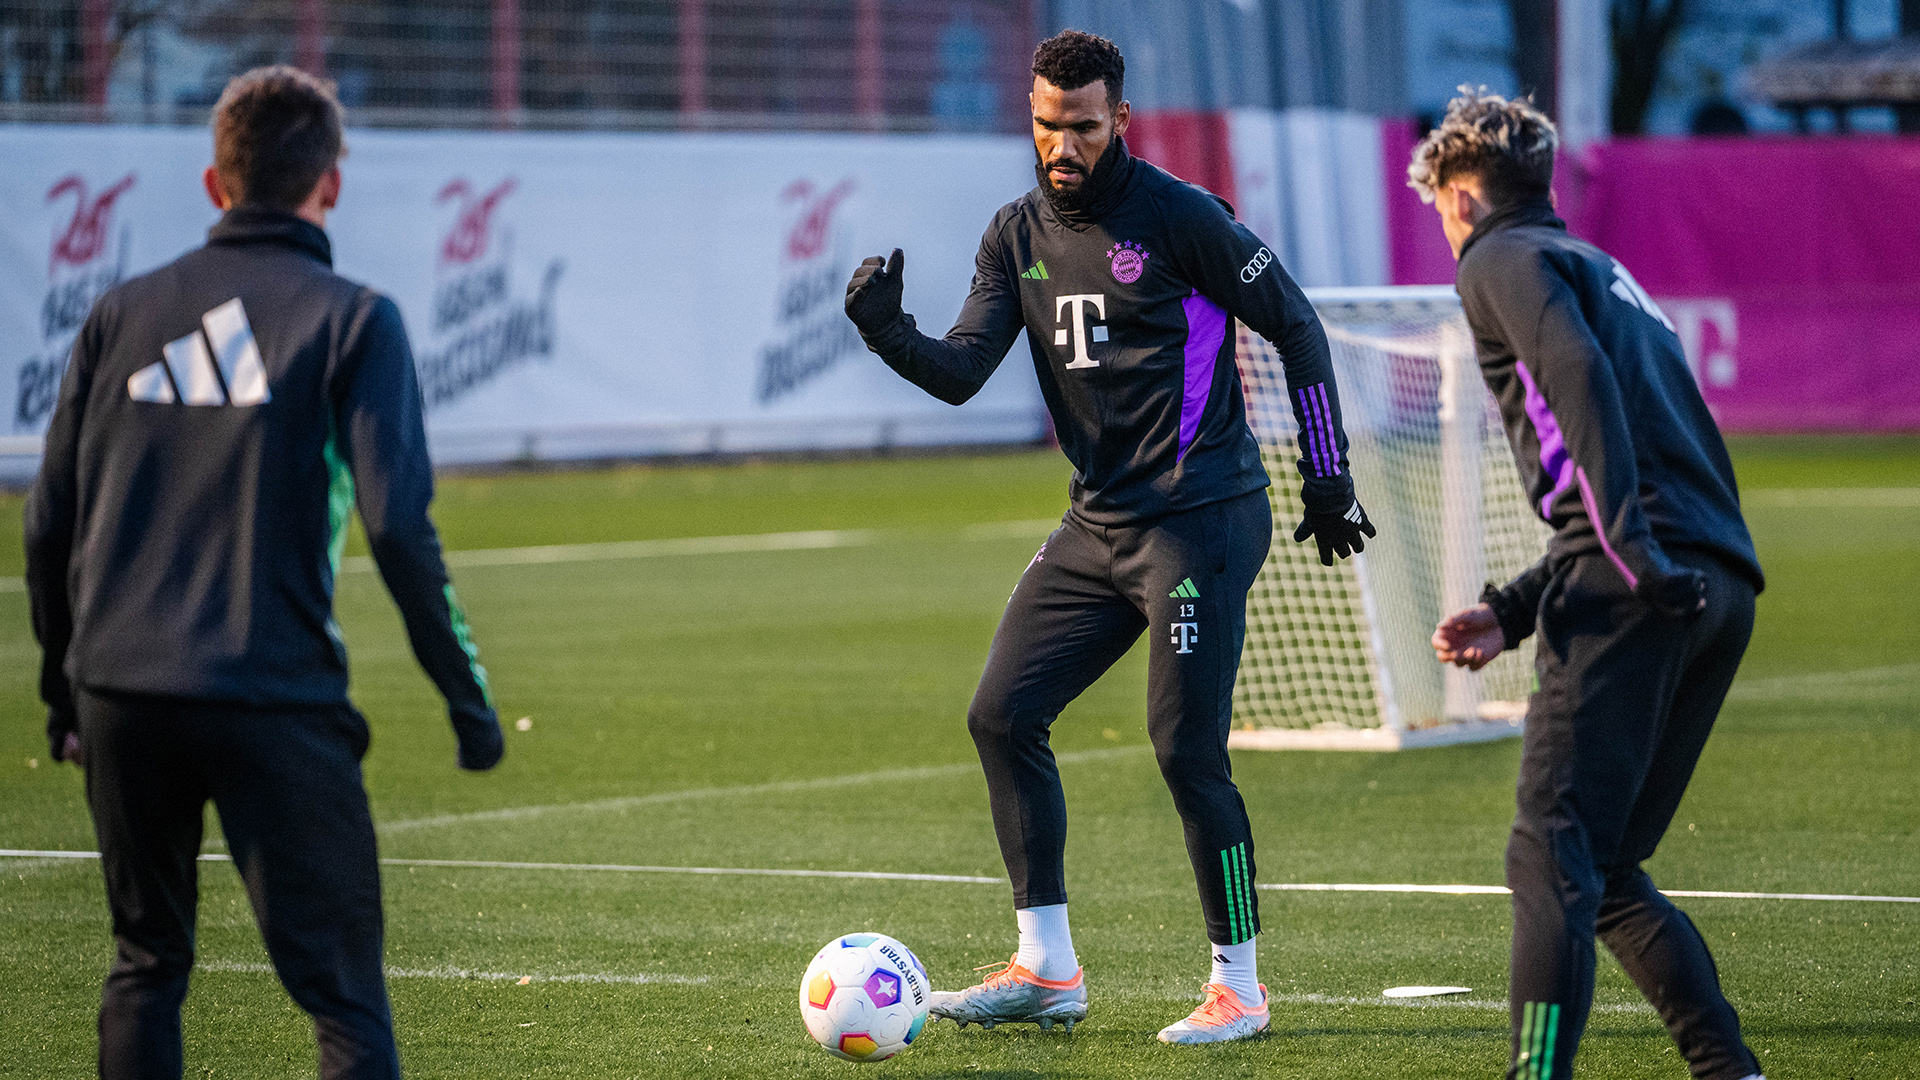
point(864, 997)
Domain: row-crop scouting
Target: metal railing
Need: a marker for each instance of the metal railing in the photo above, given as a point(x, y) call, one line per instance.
point(892, 65)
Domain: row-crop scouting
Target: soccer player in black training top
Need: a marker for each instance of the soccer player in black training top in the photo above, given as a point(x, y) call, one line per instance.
point(1643, 604)
point(220, 419)
point(1127, 282)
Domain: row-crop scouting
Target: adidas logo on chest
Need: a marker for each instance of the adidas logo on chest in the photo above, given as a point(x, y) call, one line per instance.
point(218, 364)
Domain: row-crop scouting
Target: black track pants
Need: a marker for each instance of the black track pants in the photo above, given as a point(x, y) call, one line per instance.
point(1081, 604)
point(1627, 697)
point(287, 785)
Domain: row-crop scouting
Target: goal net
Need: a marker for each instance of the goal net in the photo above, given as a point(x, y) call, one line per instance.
point(1338, 657)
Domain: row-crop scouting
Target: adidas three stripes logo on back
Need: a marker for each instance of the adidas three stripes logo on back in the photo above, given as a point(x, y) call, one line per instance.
point(218, 364)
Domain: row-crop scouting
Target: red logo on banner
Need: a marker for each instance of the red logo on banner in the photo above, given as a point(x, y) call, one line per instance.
point(86, 235)
point(809, 235)
point(468, 238)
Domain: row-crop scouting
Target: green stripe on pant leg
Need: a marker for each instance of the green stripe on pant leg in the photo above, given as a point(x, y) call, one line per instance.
point(1241, 885)
point(1226, 890)
point(1546, 1063)
point(1525, 1054)
point(1245, 884)
point(1252, 898)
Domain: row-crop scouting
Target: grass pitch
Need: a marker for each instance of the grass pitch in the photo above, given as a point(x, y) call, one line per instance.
point(803, 709)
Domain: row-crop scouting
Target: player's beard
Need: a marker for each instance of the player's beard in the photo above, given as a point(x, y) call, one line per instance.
point(1069, 202)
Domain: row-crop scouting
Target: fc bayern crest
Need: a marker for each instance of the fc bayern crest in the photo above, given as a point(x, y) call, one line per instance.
point(1129, 261)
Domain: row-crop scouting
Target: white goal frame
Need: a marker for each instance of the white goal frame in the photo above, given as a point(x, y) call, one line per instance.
point(1338, 658)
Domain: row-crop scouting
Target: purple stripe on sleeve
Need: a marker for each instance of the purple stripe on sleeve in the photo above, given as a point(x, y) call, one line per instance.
point(1600, 528)
point(1553, 445)
point(1206, 331)
point(1312, 433)
point(1326, 430)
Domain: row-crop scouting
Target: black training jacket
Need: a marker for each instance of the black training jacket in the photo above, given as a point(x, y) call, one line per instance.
point(1129, 310)
point(219, 421)
point(1614, 444)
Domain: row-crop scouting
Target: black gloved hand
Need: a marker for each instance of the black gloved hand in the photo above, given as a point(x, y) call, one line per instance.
point(481, 741)
point(1679, 595)
point(60, 724)
point(1339, 534)
point(873, 296)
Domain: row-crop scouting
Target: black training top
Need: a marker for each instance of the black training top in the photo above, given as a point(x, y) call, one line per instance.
point(1607, 424)
point(219, 421)
point(1129, 309)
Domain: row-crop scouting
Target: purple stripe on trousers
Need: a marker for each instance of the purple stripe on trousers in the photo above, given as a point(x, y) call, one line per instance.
point(1311, 429)
point(1326, 425)
point(1553, 444)
point(1206, 332)
point(1600, 528)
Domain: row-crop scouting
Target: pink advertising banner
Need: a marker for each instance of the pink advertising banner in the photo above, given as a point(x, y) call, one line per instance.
point(1790, 266)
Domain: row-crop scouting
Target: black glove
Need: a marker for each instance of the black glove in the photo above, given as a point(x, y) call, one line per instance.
point(873, 296)
point(481, 742)
point(60, 724)
point(1338, 534)
point(1679, 595)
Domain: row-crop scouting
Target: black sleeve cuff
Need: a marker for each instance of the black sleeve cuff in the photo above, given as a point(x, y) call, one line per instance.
point(1516, 618)
point(1328, 494)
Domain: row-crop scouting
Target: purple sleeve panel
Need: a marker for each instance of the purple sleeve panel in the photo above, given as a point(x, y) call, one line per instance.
point(1553, 444)
point(1316, 425)
point(1206, 332)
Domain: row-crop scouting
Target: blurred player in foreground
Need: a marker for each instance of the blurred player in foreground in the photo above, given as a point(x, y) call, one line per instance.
point(1644, 602)
point(1127, 282)
point(219, 420)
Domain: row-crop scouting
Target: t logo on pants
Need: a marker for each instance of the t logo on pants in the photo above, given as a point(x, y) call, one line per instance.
point(1184, 635)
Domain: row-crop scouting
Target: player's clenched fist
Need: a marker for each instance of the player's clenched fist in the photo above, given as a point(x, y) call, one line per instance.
point(873, 296)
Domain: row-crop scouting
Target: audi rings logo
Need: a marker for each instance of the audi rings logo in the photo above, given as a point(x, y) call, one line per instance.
point(1254, 266)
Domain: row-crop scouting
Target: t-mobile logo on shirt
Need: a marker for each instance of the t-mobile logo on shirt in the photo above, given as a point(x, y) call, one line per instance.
point(1077, 330)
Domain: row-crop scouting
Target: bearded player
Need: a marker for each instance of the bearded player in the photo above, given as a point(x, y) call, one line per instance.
point(1643, 604)
point(1127, 282)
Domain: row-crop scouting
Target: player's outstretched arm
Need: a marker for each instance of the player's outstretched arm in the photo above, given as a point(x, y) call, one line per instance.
point(383, 441)
point(955, 367)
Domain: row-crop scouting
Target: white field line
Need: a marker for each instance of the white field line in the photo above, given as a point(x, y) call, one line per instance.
point(615, 868)
point(256, 968)
point(777, 787)
point(815, 540)
point(1487, 1004)
point(965, 879)
point(1501, 890)
point(1847, 498)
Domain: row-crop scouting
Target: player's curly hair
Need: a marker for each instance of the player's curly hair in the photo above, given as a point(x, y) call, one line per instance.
point(1508, 145)
point(1072, 59)
point(276, 131)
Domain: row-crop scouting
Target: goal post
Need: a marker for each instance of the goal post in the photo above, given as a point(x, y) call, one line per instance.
point(1338, 657)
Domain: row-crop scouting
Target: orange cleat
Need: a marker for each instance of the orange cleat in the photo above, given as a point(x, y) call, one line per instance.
point(1220, 1018)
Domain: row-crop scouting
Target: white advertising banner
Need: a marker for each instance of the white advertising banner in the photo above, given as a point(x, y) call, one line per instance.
point(568, 295)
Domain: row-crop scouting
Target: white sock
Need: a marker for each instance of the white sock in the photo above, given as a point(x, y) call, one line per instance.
point(1235, 969)
point(1046, 945)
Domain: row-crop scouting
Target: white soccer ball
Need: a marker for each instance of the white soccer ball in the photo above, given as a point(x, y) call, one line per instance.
point(864, 997)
